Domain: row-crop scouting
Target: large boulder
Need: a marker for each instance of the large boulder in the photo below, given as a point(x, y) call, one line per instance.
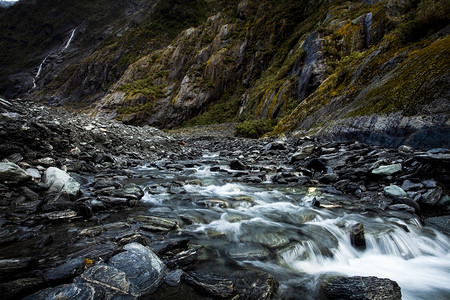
point(142, 266)
point(59, 181)
point(10, 173)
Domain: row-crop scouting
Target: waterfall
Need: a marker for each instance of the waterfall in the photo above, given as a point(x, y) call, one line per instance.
point(70, 39)
point(38, 73)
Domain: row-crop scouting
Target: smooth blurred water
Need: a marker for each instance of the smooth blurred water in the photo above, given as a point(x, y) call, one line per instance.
point(295, 242)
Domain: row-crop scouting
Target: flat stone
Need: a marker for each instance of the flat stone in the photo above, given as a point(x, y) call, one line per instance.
point(362, 288)
point(303, 153)
point(248, 251)
point(394, 191)
point(387, 169)
point(431, 197)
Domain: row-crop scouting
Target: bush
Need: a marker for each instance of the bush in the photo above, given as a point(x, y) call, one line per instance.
point(254, 128)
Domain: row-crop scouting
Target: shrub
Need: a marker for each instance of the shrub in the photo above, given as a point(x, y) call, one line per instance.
point(254, 128)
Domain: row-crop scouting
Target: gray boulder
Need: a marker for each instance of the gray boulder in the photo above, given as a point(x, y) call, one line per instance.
point(394, 191)
point(60, 181)
point(142, 267)
point(387, 169)
point(10, 173)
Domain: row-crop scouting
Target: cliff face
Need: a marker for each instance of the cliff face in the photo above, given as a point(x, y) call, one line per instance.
point(330, 68)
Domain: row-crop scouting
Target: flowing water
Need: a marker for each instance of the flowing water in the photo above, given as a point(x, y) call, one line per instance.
point(276, 229)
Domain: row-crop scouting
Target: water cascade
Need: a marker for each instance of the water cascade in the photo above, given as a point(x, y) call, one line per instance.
point(38, 73)
point(276, 229)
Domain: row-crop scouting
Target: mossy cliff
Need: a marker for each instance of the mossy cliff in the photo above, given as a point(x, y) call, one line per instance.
point(337, 68)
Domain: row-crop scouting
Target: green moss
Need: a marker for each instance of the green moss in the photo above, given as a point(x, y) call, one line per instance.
point(411, 85)
point(254, 128)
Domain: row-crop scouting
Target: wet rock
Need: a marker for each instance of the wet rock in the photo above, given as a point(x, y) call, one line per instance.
point(408, 185)
point(10, 173)
point(255, 285)
point(60, 181)
point(302, 153)
point(237, 165)
point(152, 223)
point(409, 202)
point(182, 260)
point(357, 238)
point(58, 215)
point(108, 281)
point(14, 265)
point(142, 267)
point(440, 223)
point(402, 207)
point(173, 278)
point(362, 288)
point(214, 203)
point(209, 284)
point(248, 251)
point(387, 170)
point(278, 145)
point(34, 173)
point(394, 191)
point(324, 239)
point(69, 292)
point(69, 269)
point(431, 197)
point(130, 191)
point(252, 233)
point(15, 289)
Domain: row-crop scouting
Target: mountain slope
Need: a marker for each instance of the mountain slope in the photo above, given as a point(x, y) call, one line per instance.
point(369, 69)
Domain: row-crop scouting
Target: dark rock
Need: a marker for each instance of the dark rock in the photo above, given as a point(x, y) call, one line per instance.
point(69, 292)
point(431, 197)
point(10, 173)
point(237, 165)
point(357, 238)
point(153, 223)
point(278, 145)
point(255, 285)
point(69, 269)
point(317, 164)
point(362, 288)
point(108, 281)
point(440, 223)
point(209, 284)
point(182, 260)
point(15, 265)
point(16, 289)
point(402, 207)
point(408, 185)
point(173, 278)
point(142, 267)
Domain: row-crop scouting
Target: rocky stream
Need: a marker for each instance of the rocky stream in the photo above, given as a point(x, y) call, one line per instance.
point(94, 209)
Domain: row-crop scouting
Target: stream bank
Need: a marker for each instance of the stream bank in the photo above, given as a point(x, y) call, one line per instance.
point(94, 209)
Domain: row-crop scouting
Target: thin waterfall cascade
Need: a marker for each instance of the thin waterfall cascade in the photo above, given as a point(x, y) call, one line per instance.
point(70, 39)
point(42, 64)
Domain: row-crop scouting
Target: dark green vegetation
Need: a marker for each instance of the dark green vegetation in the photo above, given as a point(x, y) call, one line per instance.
point(302, 64)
